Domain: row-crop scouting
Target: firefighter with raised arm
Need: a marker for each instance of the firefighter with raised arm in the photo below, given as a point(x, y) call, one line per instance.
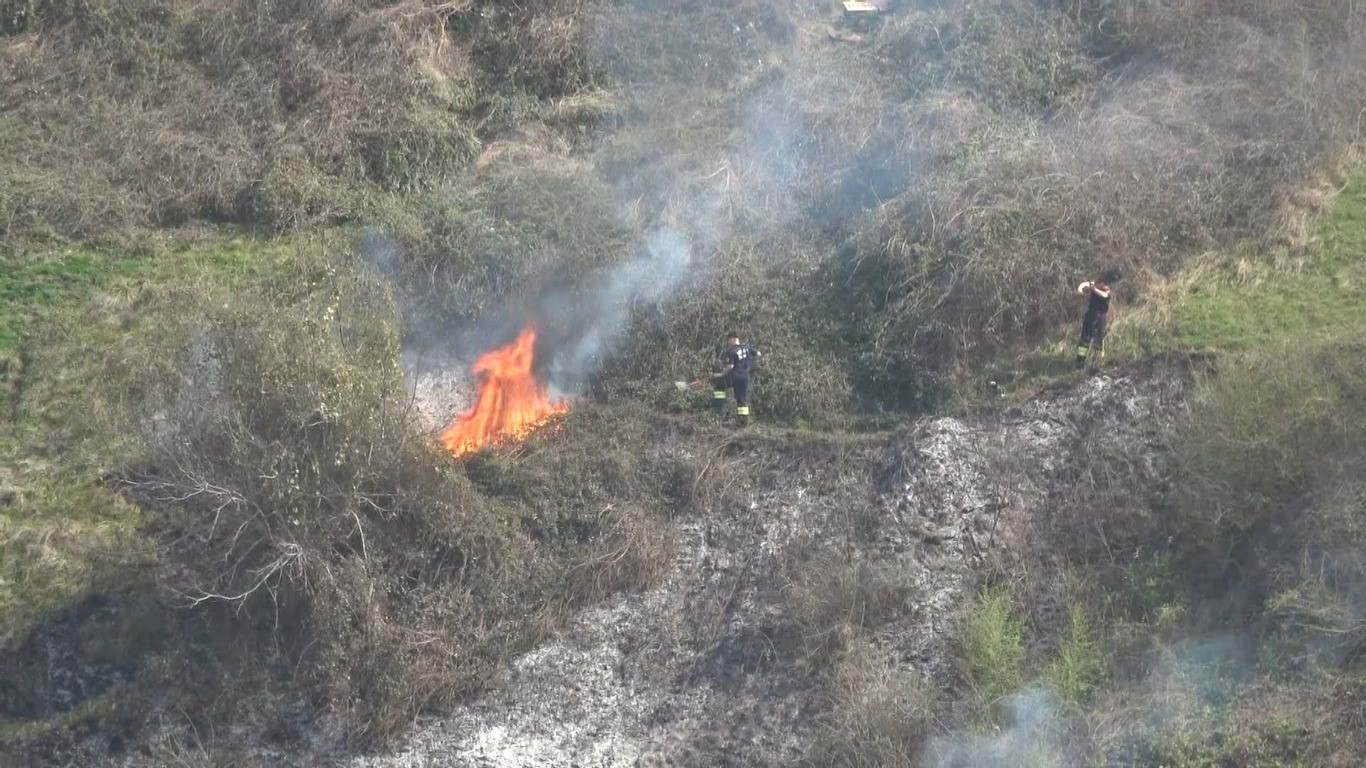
point(738, 365)
point(1096, 321)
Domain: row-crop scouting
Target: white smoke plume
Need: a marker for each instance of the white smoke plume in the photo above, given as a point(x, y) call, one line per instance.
point(663, 263)
point(1031, 736)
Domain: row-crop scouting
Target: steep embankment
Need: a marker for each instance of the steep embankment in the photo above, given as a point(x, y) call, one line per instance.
point(800, 548)
point(215, 507)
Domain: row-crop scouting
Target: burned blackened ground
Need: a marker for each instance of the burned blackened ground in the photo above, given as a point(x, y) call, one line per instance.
point(65, 663)
point(721, 662)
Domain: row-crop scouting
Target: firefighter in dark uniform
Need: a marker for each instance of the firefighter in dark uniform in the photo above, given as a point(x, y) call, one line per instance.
point(738, 365)
point(1096, 321)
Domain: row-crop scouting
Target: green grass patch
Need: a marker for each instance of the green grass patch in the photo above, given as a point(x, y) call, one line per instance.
point(1314, 294)
point(65, 319)
point(29, 286)
point(33, 286)
point(1275, 437)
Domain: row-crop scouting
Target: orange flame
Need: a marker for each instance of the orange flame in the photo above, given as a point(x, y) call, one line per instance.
point(511, 402)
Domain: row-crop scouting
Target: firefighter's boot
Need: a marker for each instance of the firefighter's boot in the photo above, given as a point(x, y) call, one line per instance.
point(718, 399)
point(742, 415)
point(1082, 351)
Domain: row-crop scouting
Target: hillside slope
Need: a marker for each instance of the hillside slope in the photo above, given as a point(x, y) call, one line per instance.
point(805, 560)
point(249, 250)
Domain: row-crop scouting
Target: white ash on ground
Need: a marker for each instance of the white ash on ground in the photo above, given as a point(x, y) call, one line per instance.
point(440, 385)
point(707, 667)
point(721, 663)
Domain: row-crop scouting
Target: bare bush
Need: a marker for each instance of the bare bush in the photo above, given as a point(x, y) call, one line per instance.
point(295, 492)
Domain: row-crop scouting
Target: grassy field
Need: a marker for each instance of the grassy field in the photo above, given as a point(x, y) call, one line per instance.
point(1241, 300)
point(1312, 292)
point(64, 316)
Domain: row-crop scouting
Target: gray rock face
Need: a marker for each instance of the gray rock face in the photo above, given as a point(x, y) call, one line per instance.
point(706, 668)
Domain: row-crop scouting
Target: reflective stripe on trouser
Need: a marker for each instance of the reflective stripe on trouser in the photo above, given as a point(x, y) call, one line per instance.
point(719, 394)
point(1083, 350)
point(742, 410)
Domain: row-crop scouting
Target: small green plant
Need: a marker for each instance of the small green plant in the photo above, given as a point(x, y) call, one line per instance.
point(1079, 663)
point(992, 644)
point(1154, 589)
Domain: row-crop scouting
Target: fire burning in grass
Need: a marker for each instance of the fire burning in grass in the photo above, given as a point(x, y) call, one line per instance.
point(511, 402)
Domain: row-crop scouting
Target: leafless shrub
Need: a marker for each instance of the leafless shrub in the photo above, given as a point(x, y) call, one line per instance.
point(294, 493)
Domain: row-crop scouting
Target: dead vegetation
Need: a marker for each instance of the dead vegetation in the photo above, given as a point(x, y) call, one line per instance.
point(880, 712)
point(320, 543)
point(926, 194)
point(882, 218)
point(280, 116)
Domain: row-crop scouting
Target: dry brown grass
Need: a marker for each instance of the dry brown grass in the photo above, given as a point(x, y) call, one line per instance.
point(303, 114)
point(834, 602)
point(880, 712)
point(326, 545)
point(633, 551)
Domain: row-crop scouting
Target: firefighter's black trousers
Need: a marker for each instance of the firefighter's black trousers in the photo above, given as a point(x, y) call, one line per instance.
point(1093, 328)
point(738, 384)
